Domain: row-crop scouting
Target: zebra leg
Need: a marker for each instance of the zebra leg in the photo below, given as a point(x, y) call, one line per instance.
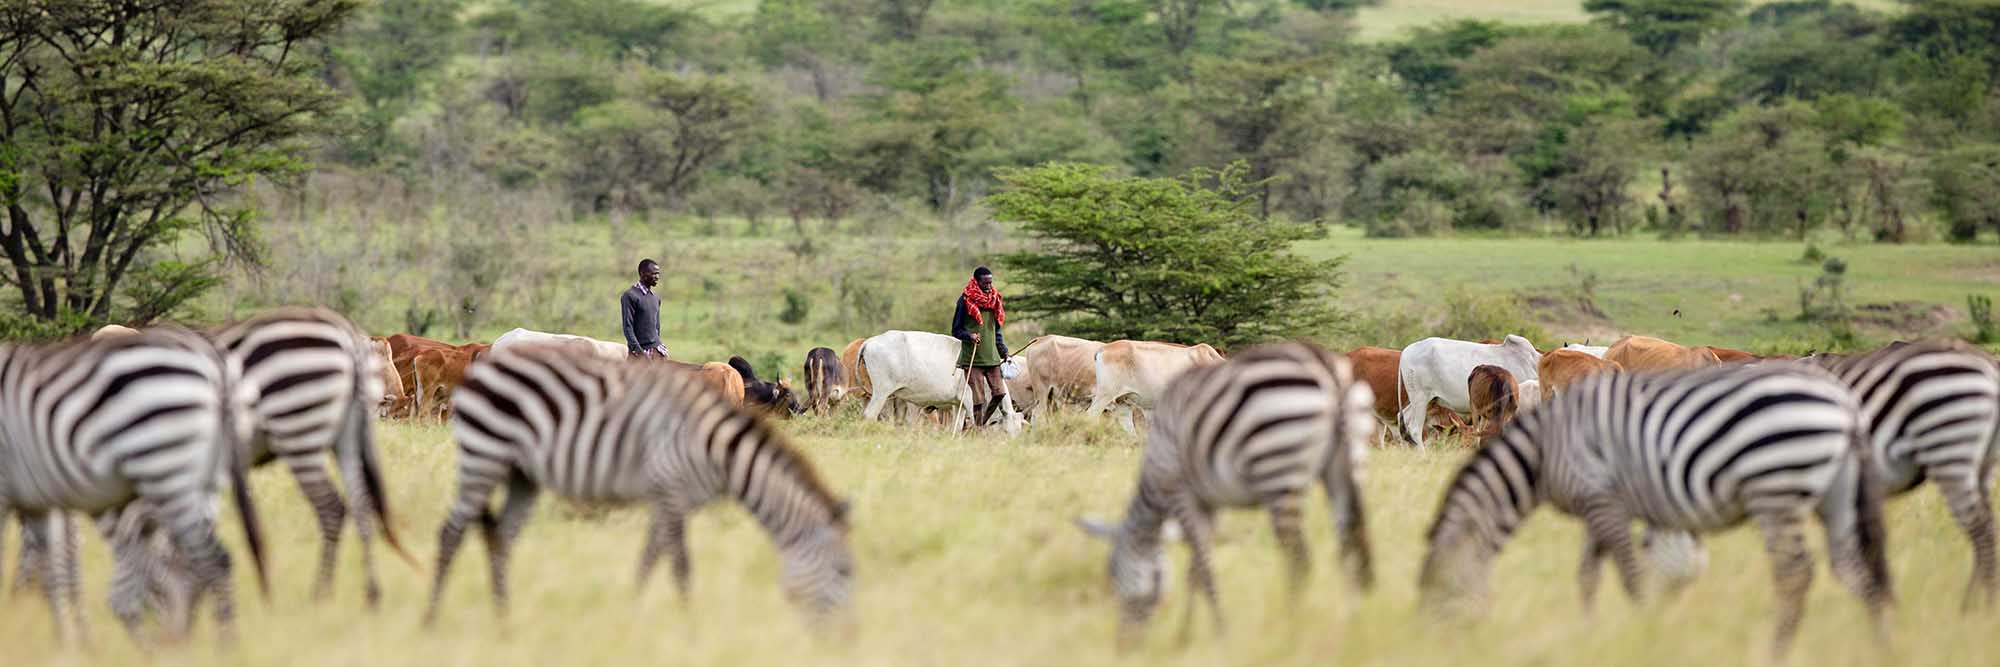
point(1791, 571)
point(1285, 519)
point(58, 572)
point(1611, 528)
point(34, 550)
point(476, 480)
point(1969, 507)
point(1587, 572)
point(195, 538)
point(667, 534)
point(1197, 522)
point(500, 534)
point(310, 472)
point(132, 571)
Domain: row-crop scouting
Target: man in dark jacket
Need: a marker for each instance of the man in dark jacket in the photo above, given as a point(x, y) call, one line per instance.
point(976, 322)
point(639, 308)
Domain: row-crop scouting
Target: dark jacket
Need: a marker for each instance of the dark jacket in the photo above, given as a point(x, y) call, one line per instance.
point(640, 313)
point(962, 327)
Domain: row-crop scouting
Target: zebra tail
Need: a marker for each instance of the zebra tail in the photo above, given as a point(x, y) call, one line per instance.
point(361, 465)
point(1871, 533)
point(253, 531)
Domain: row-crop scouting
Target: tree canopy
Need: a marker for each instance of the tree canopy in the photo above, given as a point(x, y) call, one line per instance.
point(1178, 259)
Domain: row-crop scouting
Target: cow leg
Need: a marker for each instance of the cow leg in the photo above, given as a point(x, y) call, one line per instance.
point(876, 403)
point(1415, 417)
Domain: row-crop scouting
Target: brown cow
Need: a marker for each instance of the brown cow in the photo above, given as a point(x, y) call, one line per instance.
point(1376, 366)
point(403, 350)
point(1495, 398)
point(437, 373)
point(826, 380)
point(1560, 368)
point(1054, 369)
point(1729, 356)
point(1645, 353)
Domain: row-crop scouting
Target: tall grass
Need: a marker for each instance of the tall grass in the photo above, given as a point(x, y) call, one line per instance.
point(966, 555)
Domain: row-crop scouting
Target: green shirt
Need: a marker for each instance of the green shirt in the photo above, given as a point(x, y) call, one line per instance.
point(986, 353)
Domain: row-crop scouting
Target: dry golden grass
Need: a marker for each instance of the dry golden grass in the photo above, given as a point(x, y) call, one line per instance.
point(966, 557)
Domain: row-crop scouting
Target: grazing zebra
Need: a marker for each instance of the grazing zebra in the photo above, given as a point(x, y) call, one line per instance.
point(89, 426)
point(316, 381)
point(603, 433)
point(1254, 431)
point(1696, 451)
point(1933, 413)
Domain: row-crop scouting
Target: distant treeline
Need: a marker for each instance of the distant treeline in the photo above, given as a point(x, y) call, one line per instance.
point(1704, 116)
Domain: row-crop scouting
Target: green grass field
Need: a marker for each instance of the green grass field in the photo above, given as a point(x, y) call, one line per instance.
point(966, 556)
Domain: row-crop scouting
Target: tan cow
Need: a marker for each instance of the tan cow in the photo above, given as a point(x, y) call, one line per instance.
point(1645, 353)
point(1495, 399)
point(1132, 373)
point(112, 330)
point(1055, 370)
point(438, 372)
point(394, 400)
point(850, 361)
point(1561, 368)
point(1729, 356)
point(716, 374)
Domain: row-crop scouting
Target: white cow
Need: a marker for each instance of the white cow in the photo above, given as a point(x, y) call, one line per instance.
point(606, 350)
point(1592, 350)
point(1132, 373)
point(1439, 368)
point(921, 369)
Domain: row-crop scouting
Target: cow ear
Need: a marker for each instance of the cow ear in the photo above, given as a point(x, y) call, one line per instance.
point(1096, 528)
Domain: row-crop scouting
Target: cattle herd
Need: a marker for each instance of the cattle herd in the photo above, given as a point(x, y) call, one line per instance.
point(143, 430)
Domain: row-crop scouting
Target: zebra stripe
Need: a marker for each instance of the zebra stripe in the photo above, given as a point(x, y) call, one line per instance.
point(89, 426)
point(1695, 451)
point(602, 432)
point(316, 380)
point(1255, 431)
point(1933, 414)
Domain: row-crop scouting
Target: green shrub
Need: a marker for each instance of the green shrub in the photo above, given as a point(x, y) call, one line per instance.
point(1470, 315)
point(1980, 309)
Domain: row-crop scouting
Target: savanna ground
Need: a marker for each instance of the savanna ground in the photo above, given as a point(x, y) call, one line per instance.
point(966, 555)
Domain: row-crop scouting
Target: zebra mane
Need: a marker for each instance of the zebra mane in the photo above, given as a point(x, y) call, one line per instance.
point(803, 472)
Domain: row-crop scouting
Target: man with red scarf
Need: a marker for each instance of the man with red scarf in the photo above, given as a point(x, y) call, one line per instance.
point(976, 321)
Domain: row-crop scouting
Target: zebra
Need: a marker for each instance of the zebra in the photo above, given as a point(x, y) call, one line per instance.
point(1254, 431)
point(316, 380)
point(89, 426)
point(1696, 451)
point(1933, 414)
point(602, 432)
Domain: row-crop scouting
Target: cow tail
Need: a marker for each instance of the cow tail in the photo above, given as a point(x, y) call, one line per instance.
point(1399, 402)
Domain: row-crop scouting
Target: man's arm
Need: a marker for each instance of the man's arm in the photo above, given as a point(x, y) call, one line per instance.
point(1000, 341)
point(625, 308)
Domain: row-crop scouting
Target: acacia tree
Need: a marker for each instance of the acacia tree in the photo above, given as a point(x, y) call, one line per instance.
point(1179, 259)
point(123, 125)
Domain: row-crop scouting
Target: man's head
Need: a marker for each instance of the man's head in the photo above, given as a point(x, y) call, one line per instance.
point(649, 273)
point(983, 276)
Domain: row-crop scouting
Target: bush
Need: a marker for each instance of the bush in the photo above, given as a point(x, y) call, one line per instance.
point(797, 307)
point(1473, 316)
point(1980, 310)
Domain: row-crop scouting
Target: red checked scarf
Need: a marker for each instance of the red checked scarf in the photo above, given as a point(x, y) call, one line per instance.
point(977, 299)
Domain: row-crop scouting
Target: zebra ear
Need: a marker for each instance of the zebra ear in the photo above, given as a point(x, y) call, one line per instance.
point(840, 510)
point(1096, 528)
